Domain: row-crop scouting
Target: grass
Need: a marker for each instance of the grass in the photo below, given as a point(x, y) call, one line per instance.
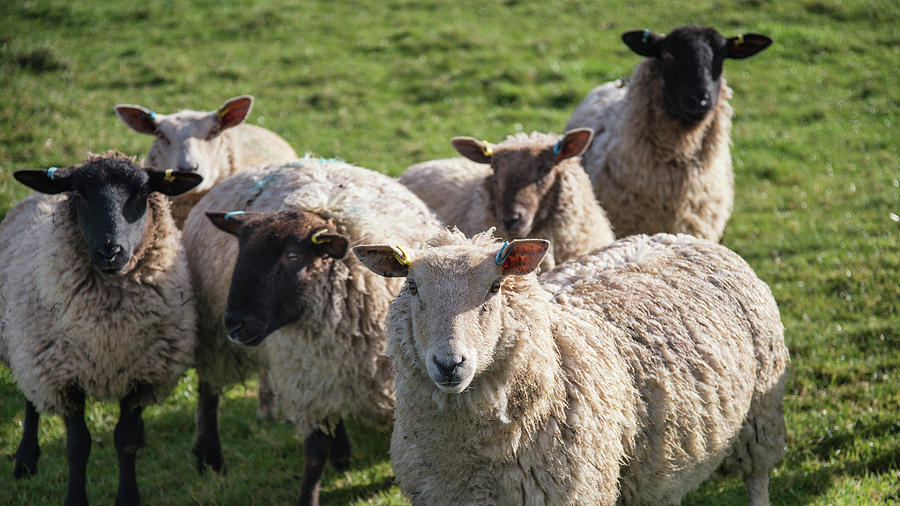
point(386, 84)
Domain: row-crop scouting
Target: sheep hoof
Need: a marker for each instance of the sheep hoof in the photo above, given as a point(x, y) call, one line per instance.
point(209, 456)
point(26, 463)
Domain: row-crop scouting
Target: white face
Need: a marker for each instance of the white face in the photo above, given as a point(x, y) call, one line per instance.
point(455, 302)
point(187, 141)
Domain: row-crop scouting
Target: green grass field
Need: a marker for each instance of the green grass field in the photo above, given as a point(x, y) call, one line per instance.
point(386, 84)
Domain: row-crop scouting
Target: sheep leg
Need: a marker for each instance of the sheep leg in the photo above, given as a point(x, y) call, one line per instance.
point(29, 451)
point(315, 454)
point(129, 438)
point(265, 408)
point(207, 446)
point(78, 448)
point(340, 450)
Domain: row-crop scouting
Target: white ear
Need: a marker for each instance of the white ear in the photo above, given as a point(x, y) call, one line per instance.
point(234, 111)
point(140, 119)
point(384, 260)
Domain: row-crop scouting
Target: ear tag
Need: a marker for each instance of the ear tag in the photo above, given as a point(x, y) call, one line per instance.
point(740, 40)
point(401, 256)
point(50, 172)
point(230, 214)
point(646, 36)
point(169, 177)
point(222, 112)
point(557, 148)
point(487, 150)
point(149, 115)
point(503, 255)
point(318, 240)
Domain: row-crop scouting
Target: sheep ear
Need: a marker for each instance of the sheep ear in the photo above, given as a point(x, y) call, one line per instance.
point(50, 181)
point(473, 149)
point(230, 222)
point(573, 143)
point(525, 256)
point(234, 111)
point(140, 120)
point(172, 182)
point(746, 45)
point(643, 42)
point(380, 259)
point(331, 244)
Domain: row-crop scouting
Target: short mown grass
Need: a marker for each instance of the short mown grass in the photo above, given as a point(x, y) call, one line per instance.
point(386, 84)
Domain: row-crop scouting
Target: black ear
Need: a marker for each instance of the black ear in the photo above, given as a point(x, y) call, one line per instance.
point(573, 143)
point(140, 119)
point(230, 222)
point(330, 243)
point(746, 45)
point(643, 42)
point(473, 149)
point(51, 181)
point(172, 182)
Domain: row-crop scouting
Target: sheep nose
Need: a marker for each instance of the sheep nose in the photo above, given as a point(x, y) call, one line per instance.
point(449, 370)
point(233, 323)
point(699, 102)
point(188, 167)
point(109, 251)
point(512, 221)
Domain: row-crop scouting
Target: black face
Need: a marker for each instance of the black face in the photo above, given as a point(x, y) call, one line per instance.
point(689, 61)
point(278, 254)
point(109, 198)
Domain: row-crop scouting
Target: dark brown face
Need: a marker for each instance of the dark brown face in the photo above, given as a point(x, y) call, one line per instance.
point(521, 182)
point(279, 253)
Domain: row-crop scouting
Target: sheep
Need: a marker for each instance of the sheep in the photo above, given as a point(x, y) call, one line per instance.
point(627, 374)
point(660, 160)
point(285, 280)
point(526, 186)
point(96, 300)
point(214, 144)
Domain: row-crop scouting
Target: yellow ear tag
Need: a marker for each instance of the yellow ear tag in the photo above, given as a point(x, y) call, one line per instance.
point(740, 40)
point(222, 112)
point(487, 151)
point(401, 256)
point(318, 240)
point(169, 177)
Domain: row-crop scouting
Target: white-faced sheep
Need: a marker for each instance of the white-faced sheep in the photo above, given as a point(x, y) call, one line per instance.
point(526, 186)
point(660, 160)
point(215, 144)
point(628, 374)
point(280, 275)
point(96, 300)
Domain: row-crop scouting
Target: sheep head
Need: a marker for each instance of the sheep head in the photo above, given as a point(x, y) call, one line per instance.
point(455, 294)
point(109, 197)
point(689, 61)
point(278, 254)
point(524, 174)
point(187, 140)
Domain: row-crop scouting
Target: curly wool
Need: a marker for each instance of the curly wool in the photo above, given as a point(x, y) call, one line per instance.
point(65, 324)
point(330, 363)
point(651, 173)
point(613, 379)
point(459, 192)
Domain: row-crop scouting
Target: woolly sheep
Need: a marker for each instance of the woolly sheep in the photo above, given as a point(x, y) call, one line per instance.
point(628, 373)
point(660, 160)
point(96, 300)
point(214, 144)
point(526, 186)
point(323, 313)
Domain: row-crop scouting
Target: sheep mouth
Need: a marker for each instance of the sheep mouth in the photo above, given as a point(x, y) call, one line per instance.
point(247, 340)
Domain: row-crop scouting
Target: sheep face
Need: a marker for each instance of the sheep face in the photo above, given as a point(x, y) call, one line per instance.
point(278, 254)
point(524, 177)
point(689, 61)
point(456, 295)
point(108, 196)
point(187, 141)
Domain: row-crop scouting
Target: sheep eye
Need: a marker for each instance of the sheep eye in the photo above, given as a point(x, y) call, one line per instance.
point(293, 256)
point(411, 285)
point(495, 286)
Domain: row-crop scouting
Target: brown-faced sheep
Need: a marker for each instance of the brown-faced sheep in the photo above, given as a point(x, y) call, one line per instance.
point(660, 160)
point(280, 275)
point(96, 300)
point(526, 186)
point(628, 374)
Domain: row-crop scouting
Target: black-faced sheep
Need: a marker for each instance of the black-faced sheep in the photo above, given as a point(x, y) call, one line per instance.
point(660, 160)
point(280, 277)
point(526, 186)
point(627, 374)
point(96, 301)
point(214, 144)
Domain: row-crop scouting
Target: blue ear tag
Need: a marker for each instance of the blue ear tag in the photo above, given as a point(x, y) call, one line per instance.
point(228, 215)
point(646, 36)
point(150, 115)
point(50, 172)
point(501, 257)
point(557, 148)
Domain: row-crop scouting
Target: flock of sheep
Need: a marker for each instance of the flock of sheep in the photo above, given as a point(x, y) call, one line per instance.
point(626, 371)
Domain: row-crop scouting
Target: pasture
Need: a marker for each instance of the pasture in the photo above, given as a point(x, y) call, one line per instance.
point(387, 84)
